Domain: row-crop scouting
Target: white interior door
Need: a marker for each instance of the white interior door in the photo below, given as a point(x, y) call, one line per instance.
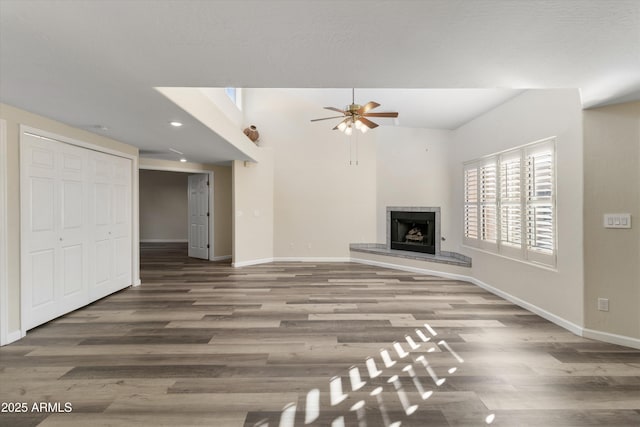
point(39, 219)
point(54, 224)
point(110, 220)
point(76, 218)
point(199, 216)
point(121, 222)
point(73, 227)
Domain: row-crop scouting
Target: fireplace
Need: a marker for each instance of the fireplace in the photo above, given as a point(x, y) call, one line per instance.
point(414, 229)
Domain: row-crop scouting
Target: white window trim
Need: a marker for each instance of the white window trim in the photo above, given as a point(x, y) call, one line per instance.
point(522, 254)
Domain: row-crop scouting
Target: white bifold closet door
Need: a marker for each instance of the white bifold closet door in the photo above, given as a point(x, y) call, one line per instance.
point(60, 216)
point(110, 224)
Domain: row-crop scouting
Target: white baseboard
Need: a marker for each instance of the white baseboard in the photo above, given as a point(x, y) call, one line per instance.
point(164, 241)
point(570, 326)
point(137, 283)
point(564, 323)
point(612, 338)
point(312, 259)
point(290, 259)
point(252, 262)
point(220, 258)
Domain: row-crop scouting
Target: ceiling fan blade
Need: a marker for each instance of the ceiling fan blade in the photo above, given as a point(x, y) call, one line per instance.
point(368, 123)
point(334, 109)
point(344, 121)
point(380, 114)
point(327, 118)
point(368, 106)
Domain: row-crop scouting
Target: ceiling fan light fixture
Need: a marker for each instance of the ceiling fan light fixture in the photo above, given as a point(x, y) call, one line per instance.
point(356, 116)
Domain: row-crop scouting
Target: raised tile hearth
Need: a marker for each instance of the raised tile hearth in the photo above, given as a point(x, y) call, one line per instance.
point(445, 257)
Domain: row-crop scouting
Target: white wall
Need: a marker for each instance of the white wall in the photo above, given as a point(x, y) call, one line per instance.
point(413, 170)
point(612, 185)
point(164, 206)
point(532, 116)
point(321, 203)
point(253, 210)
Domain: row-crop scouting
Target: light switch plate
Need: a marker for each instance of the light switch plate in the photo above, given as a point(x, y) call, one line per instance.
point(617, 220)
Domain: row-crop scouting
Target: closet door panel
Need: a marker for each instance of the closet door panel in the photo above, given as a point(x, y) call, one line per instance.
point(122, 221)
point(73, 271)
point(43, 279)
point(73, 228)
point(40, 242)
point(101, 174)
point(42, 201)
point(76, 227)
point(72, 205)
point(103, 268)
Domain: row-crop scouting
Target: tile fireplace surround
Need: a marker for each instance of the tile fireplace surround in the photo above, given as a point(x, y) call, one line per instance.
point(442, 257)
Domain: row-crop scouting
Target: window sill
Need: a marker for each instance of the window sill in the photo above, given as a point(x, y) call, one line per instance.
point(521, 261)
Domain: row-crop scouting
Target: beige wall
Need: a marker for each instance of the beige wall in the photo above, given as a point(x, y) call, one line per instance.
point(222, 199)
point(164, 206)
point(531, 116)
point(413, 170)
point(253, 210)
point(3, 232)
point(321, 202)
point(14, 118)
point(223, 211)
point(612, 185)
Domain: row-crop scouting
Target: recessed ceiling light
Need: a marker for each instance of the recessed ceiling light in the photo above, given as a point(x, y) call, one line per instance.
point(183, 160)
point(175, 124)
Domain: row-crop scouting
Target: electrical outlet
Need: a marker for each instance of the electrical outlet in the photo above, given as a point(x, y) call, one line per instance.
point(603, 304)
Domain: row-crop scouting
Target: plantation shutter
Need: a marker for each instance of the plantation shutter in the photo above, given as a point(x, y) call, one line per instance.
point(489, 202)
point(511, 201)
point(540, 207)
point(471, 202)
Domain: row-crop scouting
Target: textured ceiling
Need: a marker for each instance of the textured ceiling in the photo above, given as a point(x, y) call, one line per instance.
point(97, 62)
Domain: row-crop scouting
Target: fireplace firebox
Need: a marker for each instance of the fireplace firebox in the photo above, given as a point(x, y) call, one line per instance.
point(413, 231)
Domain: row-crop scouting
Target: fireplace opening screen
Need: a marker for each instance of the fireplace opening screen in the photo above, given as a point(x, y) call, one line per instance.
point(413, 231)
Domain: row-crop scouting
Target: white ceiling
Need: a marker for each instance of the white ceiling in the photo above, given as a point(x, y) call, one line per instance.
point(97, 62)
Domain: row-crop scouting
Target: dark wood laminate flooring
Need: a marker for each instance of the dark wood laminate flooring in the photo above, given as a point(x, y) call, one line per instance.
point(202, 343)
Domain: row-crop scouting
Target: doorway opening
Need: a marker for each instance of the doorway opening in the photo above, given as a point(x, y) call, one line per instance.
point(176, 211)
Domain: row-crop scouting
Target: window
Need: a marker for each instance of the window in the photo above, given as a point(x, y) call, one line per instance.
point(509, 203)
point(471, 203)
point(234, 95)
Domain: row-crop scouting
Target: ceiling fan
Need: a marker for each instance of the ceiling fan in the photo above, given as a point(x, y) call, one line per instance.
point(355, 116)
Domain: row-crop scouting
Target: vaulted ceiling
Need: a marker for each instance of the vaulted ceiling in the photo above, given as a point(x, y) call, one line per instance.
point(96, 63)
